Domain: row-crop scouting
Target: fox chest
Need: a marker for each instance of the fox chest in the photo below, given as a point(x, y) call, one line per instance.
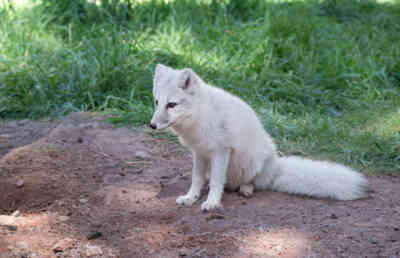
point(197, 145)
point(201, 139)
point(200, 142)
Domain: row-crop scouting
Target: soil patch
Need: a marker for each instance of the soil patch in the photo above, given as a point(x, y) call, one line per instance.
point(79, 187)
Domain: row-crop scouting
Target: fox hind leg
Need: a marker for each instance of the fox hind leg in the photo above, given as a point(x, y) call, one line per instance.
point(246, 190)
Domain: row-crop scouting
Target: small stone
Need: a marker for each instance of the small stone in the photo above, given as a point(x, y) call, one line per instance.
point(142, 155)
point(60, 202)
point(373, 240)
point(16, 213)
point(93, 250)
point(22, 245)
point(184, 252)
point(11, 227)
point(80, 140)
point(317, 238)
point(83, 200)
point(93, 235)
point(63, 218)
point(139, 171)
point(333, 216)
point(62, 245)
point(20, 183)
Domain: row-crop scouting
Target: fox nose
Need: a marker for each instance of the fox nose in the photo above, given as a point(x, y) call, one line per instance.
point(153, 126)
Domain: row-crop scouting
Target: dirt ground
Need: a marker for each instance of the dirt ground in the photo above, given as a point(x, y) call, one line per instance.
point(79, 187)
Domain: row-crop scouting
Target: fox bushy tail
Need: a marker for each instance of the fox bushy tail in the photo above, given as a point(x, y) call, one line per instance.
point(298, 175)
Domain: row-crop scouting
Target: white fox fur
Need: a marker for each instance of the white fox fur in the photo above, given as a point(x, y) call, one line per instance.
point(231, 148)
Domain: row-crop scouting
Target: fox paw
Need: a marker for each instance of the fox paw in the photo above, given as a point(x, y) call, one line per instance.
point(186, 200)
point(212, 206)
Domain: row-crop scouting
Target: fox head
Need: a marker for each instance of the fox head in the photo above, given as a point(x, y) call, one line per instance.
point(173, 92)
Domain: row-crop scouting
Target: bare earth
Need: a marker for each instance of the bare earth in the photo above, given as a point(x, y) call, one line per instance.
point(83, 188)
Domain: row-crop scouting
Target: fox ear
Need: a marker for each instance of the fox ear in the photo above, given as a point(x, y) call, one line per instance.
point(161, 70)
point(188, 80)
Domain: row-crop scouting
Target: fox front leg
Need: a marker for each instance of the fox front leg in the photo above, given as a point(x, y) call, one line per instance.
point(198, 181)
point(219, 167)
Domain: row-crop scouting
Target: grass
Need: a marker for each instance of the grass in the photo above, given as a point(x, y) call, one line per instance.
point(324, 77)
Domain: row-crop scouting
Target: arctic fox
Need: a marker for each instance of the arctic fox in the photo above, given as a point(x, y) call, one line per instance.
point(231, 148)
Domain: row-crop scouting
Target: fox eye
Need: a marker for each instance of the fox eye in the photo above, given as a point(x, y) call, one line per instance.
point(171, 104)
